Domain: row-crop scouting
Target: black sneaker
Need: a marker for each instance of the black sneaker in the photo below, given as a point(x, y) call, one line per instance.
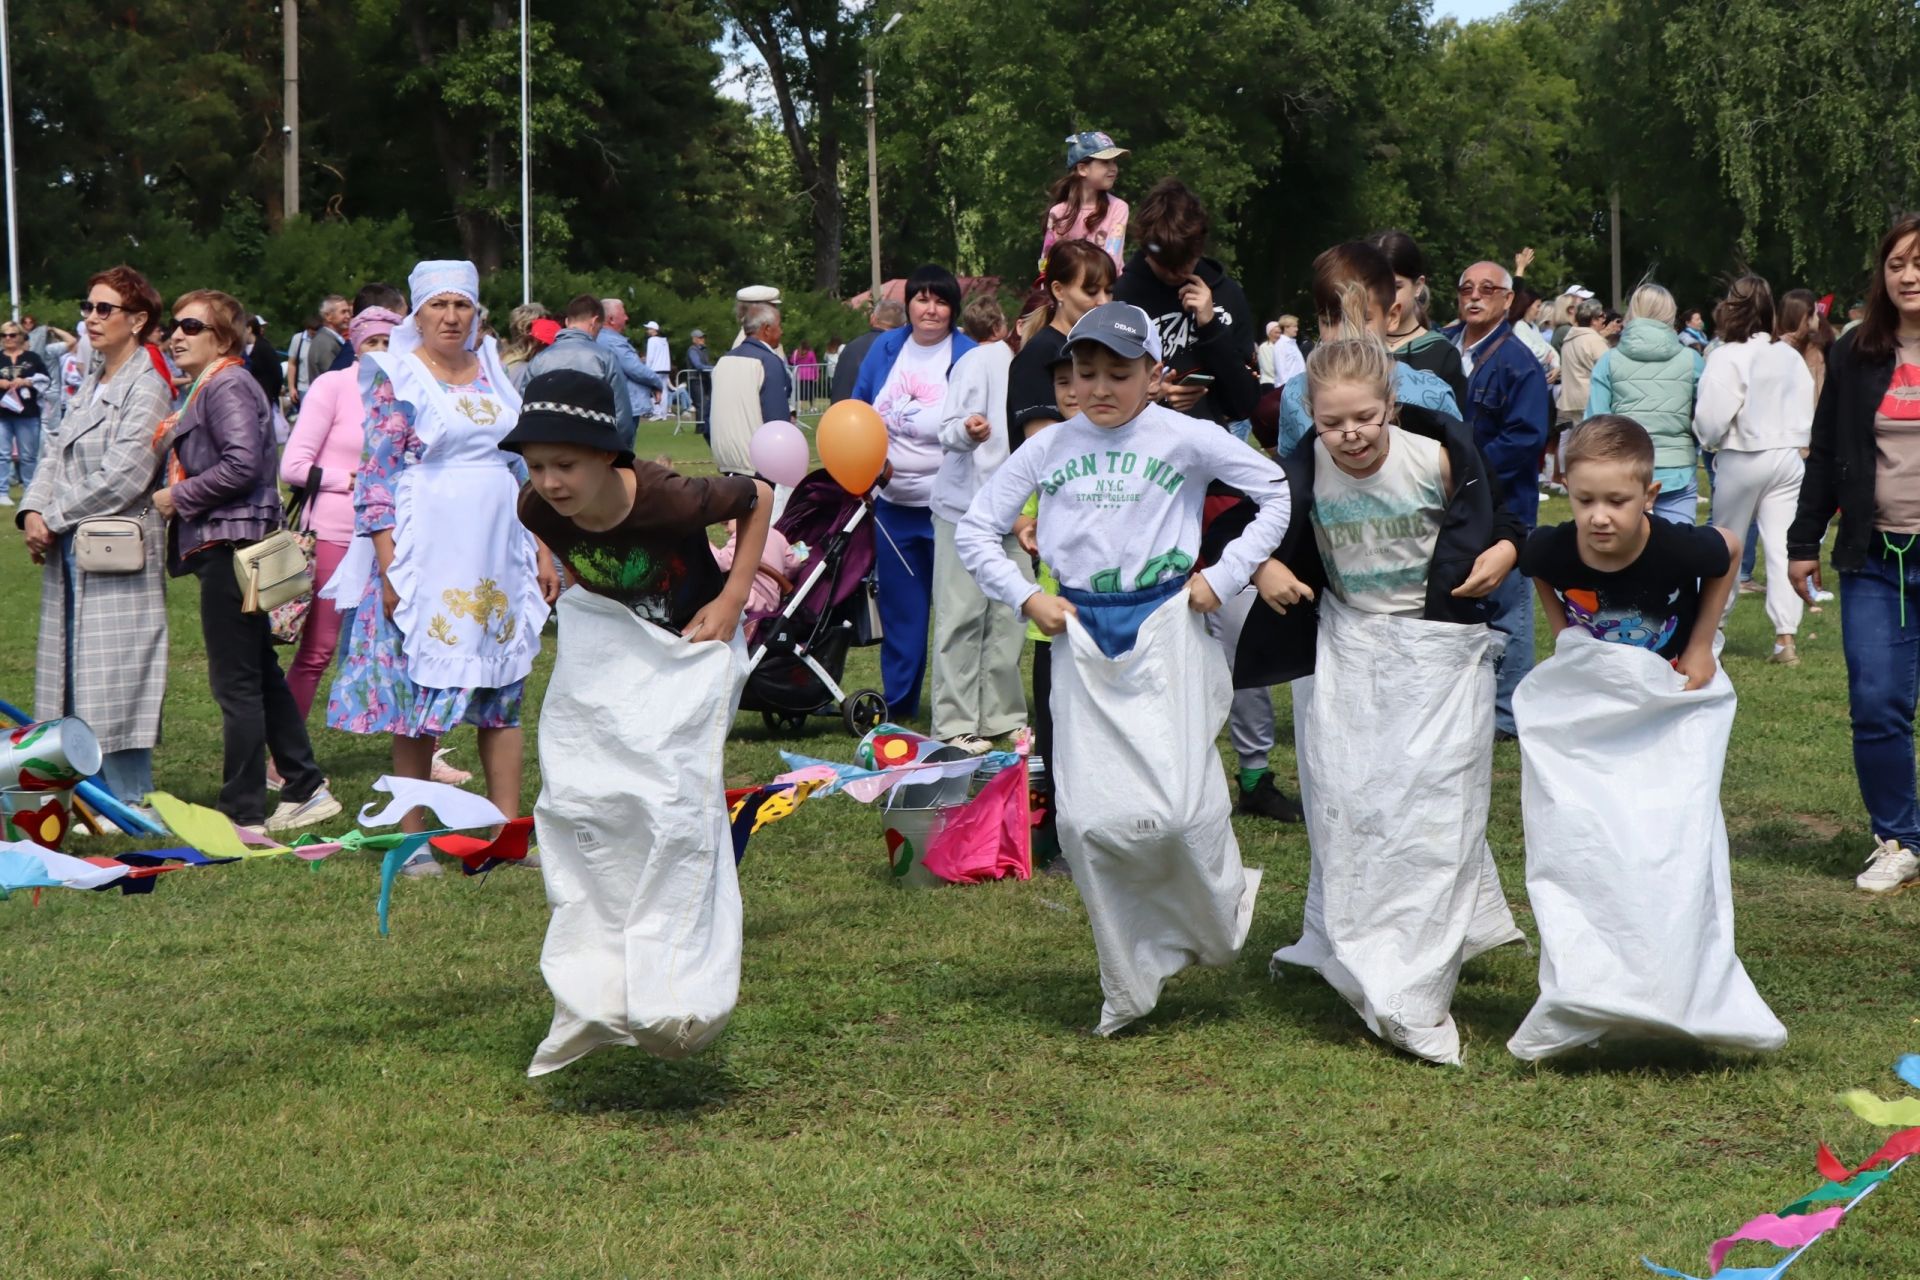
point(1268, 801)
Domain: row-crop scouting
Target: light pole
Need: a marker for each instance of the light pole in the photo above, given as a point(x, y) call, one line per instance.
point(13, 220)
point(526, 172)
point(872, 162)
point(290, 108)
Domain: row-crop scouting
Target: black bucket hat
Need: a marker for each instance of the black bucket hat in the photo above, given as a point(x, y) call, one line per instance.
point(567, 406)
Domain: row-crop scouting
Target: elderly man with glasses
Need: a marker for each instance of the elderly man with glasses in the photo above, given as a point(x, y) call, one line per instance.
point(1510, 411)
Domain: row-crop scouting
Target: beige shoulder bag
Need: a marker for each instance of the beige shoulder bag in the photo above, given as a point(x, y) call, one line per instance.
point(110, 544)
point(272, 571)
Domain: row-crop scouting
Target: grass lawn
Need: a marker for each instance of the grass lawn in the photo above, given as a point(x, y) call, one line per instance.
point(236, 1076)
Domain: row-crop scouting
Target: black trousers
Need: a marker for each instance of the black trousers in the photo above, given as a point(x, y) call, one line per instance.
point(256, 708)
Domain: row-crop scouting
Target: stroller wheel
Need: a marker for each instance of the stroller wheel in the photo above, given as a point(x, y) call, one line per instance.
point(787, 723)
point(863, 709)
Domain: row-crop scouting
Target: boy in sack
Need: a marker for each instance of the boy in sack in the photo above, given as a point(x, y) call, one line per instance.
point(1139, 690)
point(1411, 540)
point(1623, 738)
point(644, 945)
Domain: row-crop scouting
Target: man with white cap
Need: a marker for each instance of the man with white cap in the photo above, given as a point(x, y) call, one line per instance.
point(747, 297)
point(660, 360)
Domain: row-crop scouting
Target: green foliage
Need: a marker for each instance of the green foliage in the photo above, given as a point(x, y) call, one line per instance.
point(1737, 133)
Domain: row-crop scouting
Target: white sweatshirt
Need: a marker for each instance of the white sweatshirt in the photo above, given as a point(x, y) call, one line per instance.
point(1754, 395)
point(978, 384)
point(1120, 509)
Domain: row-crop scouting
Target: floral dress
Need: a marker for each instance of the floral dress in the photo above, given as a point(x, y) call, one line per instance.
point(372, 691)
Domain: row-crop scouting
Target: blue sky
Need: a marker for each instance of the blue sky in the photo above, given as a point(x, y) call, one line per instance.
point(1468, 10)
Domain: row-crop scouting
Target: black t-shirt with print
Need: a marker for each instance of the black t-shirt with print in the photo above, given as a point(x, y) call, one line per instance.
point(658, 561)
point(1652, 603)
point(28, 365)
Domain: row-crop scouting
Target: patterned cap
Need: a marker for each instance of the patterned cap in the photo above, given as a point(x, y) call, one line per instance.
point(1092, 145)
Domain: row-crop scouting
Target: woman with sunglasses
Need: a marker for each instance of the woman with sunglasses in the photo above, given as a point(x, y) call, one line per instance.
point(23, 382)
point(223, 494)
point(103, 635)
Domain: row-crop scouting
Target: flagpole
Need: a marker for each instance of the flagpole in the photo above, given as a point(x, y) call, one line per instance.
point(526, 171)
point(13, 220)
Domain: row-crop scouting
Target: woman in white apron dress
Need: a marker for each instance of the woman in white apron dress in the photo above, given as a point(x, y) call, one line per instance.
point(447, 589)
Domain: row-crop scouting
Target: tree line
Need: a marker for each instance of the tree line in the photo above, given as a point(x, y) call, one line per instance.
point(1768, 134)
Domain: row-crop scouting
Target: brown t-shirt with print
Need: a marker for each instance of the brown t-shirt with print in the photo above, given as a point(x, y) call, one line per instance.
point(658, 561)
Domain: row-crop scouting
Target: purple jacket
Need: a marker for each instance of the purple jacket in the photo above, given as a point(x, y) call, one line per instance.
point(226, 447)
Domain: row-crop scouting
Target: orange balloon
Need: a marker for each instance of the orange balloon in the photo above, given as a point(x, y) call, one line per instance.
point(852, 442)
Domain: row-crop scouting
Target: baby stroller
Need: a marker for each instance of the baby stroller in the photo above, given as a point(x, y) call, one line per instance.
point(799, 653)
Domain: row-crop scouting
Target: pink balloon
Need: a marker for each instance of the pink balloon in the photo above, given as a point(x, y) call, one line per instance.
point(779, 452)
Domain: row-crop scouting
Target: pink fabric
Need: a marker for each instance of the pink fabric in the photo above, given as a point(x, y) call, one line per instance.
point(1110, 234)
point(764, 595)
point(374, 322)
point(986, 839)
point(322, 635)
point(331, 434)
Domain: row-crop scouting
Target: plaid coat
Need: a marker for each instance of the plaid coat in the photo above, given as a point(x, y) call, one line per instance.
point(103, 463)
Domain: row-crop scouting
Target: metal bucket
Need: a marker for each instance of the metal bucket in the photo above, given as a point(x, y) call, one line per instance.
point(41, 817)
point(907, 833)
point(52, 755)
point(935, 793)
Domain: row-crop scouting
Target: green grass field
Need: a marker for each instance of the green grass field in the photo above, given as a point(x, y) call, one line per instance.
point(237, 1076)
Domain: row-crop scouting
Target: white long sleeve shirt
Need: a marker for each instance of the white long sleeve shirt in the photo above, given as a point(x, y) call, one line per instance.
point(978, 384)
point(1754, 395)
point(1120, 509)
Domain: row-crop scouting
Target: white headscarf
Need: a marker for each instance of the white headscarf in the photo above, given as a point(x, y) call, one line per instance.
point(430, 280)
point(437, 279)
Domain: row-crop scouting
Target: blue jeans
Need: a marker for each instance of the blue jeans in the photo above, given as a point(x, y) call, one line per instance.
point(904, 551)
point(1513, 618)
point(128, 774)
point(1883, 682)
point(1748, 553)
point(22, 434)
point(1113, 618)
point(1682, 506)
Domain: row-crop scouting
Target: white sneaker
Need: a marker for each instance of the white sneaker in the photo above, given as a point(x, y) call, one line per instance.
point(6, 499)
point(971, 743)
point(421, 864)
point(1890, 868)
point(292, 815)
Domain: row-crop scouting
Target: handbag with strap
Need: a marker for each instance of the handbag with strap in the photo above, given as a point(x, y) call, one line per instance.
point(272, 571)
point(289, 620)
point(110, 544)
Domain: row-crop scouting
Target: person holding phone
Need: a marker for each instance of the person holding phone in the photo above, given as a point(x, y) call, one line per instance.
point(1207, 330)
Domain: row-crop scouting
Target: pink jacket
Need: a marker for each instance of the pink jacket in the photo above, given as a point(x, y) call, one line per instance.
point(331, 435)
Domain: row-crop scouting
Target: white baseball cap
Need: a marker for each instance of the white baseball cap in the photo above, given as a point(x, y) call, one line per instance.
point(1575, 291)
point(652, 324)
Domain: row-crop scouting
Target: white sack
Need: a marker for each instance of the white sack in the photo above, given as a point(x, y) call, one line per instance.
point(1143, 813)
point(1394, 735)
point(644, 945)
point(1627, 859)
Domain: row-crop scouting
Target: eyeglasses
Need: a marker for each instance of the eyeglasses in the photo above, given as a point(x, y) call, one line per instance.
point(1352, 432)
point(191, 327)
point(11, 333)
point(101, 309)
point(1485, 289)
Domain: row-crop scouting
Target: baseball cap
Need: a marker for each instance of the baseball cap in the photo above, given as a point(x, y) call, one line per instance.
point(698, 333)
point(1121, 328)
point(1576, 291)
point(1092, 145)
point(651, 324)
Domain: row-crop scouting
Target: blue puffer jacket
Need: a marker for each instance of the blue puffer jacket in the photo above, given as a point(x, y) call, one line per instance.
point(1650, 377)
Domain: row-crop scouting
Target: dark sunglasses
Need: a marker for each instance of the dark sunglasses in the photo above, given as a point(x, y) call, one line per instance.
point(191, 327)
point(12, 333)
point(101, 309)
